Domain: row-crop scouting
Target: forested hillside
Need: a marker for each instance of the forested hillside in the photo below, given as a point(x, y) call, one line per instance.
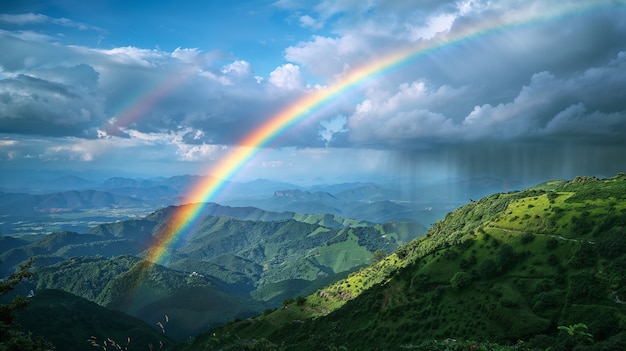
point(235, 263)
point(538, 269)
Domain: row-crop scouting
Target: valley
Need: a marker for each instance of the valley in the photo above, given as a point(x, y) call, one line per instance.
point(506, 267)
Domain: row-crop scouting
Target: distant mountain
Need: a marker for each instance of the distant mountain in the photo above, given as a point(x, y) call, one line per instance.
point(70, 322)
point(242, 259)
point(9, 242)
point(543, 266)
point(37, 182)
point(67, 201)
point(40, 206)
point(120, 182)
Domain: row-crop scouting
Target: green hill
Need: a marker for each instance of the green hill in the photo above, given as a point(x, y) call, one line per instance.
point(232, 265)
point(73, 323)
point(535, 269)
point(191, 301)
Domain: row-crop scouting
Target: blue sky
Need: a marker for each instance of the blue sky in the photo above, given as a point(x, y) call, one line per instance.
point(159, 88)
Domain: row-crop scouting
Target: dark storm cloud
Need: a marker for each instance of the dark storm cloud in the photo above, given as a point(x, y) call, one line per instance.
point(67, 106)
point(587, 106)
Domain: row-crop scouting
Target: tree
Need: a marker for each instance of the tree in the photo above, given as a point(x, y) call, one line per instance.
point(577, 331)
point(488, 269)
point(377, 256)
point(460, 280)
point(506, 258)
point(11, 337)
point(300, 300)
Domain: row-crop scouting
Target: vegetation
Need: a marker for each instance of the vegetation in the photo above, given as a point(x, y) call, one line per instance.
point(73, 323)
point(235, 263)
point(11, 336)
point(544, 266)
point(539, 269)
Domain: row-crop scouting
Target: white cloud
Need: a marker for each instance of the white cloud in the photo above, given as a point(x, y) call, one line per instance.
point(202, 152)
point(189, 55)
point(29, 35)
point(239, 67)
point(436, 24)
point(310, 22)
point(142, 57)
point(326, 56)
point(287, 77)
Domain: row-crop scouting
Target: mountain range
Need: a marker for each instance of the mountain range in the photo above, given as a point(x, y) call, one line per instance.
point(539, 269)
point(534, 269)
point(34, 206)
point(237, 261)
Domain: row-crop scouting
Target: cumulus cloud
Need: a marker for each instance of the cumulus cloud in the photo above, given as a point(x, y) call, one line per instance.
point(287, 77)
point(547, 108)
point(327, 56)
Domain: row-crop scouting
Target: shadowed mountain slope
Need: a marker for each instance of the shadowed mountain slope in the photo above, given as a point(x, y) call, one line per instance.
point(511, 266)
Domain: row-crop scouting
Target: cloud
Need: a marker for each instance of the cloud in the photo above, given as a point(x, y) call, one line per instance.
point(36, 18)
point(287, 77)
point(434, 25)
point(329, 128)
point(325, 56)
point(575, 120)
point(547, 108)
point(520, 84)
point(58, 101)
point(309, 22)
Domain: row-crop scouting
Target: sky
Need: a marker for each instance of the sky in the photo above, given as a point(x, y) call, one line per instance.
point(526, 90)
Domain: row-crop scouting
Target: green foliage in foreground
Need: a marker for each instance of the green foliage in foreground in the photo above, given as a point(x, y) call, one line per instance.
point(12, 338)
point(534, 265)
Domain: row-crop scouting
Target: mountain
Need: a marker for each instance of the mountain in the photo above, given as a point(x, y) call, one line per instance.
point(147, 292)
point(61, 202)
point(233, 263)
point(540, 268)
point(41, 204)
point(37, 182)
point(70, 322)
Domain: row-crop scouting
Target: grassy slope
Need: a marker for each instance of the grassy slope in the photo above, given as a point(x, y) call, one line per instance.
point(508, 267)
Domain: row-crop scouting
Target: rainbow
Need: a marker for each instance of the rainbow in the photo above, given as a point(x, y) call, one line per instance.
point(185, 216)
point(145, 102)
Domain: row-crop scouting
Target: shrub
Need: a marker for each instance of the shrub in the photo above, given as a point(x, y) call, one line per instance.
point(527, 238)
point(460, 280)
point(585, 256)
point(488, 269)
point(552, 244)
